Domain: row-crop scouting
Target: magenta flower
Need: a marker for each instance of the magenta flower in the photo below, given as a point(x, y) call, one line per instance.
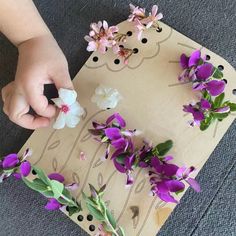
point(56, 176)
point(183, 173)
point(10, 161)
point(53, 205)
point(25, 168)
point(198, 111)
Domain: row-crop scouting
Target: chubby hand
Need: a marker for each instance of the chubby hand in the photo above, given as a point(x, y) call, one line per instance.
point(40, 62)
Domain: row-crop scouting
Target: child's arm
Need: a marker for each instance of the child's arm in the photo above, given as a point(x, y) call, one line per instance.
point(40, 61)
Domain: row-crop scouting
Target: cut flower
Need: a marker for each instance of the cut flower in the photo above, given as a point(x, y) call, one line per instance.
point(106, 97)
point(70, 110)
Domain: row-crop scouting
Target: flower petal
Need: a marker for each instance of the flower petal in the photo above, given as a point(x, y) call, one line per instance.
point(56, 176)
point(53, 205)
point(170, 169)
point(60, 121)
point(175, 185)
point(10, 161)
point(119, 166)
point(72, 120)
point(184, 61)
point(118, 118)
point(113, 133)
point(215, 87)
point(166, 197)
point(25, 168)
point(194, 58)
point(58, 102)
point(68, 96)
point(194, 184)
point(205, 104)
point(204, 71)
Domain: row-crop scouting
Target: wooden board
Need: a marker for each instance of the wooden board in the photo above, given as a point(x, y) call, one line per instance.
point(152, 102)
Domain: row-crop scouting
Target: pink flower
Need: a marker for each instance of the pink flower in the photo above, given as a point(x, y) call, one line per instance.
point(136, 13)
point(139, 28)
point(101, 37)
point(152, 18)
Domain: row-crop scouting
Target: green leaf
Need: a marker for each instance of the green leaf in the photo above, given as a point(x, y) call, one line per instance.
point(121, 231)
point(220, 116)
point(110, 218)
point(88, 200)
point(232, 106)
point(72, 210)
point(162, 148)
point(217, 73)
point(48, 194)
point(95, 212)
point(206, 123)
point(35, 185)
point(42, 175)
point(219, 100)
point(104, 139)
point(57, 188)
point(67, 193)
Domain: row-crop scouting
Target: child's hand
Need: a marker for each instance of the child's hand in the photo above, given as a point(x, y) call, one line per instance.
point(40, 62)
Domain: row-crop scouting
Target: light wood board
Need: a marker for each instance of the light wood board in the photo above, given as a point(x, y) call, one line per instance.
point(151, 103)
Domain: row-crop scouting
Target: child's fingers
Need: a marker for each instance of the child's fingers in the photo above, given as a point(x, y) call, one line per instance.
point(17, 108)
point(40, 105)
point(62, 79)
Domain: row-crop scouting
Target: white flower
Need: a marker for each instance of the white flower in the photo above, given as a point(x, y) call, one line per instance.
point(106, 97)
point(70, 109)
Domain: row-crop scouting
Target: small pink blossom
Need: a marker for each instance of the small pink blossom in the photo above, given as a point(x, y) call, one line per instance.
point(136, 13)
point(101, 37)
point(152, 18)
point(82, 156)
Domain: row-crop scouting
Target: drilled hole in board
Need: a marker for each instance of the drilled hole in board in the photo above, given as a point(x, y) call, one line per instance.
point(33, 172)
point(234, 91)
point(121, 46)
point(208, 57)
point(158, 30)
point(135, 50)
point(117, 61)
point(89, 217)
point(91, 227)
point(80, 218)
point(129, 33)
point(144, 40)
point(220, 67)
point(225, 80)
point(95, 59)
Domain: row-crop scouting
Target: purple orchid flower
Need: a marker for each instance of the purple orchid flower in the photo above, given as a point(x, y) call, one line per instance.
point(10, 161)
point(198, 110)
point(25, 168)
point(53, 205)
point(117, 117)
point(56, 176)
point(183, 173)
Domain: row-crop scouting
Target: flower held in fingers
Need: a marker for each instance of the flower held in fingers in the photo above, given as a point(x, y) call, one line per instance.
point(70, 110)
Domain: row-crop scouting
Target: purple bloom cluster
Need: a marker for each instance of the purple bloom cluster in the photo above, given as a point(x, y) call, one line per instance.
point(165, 177)
point(201, 73)
point(15, 165)
point(209, 81)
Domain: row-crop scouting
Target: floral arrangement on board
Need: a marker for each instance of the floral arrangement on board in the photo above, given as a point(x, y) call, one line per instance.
point(209, 81)
point(59, 194)
point(165, 177)
point(102, 37)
